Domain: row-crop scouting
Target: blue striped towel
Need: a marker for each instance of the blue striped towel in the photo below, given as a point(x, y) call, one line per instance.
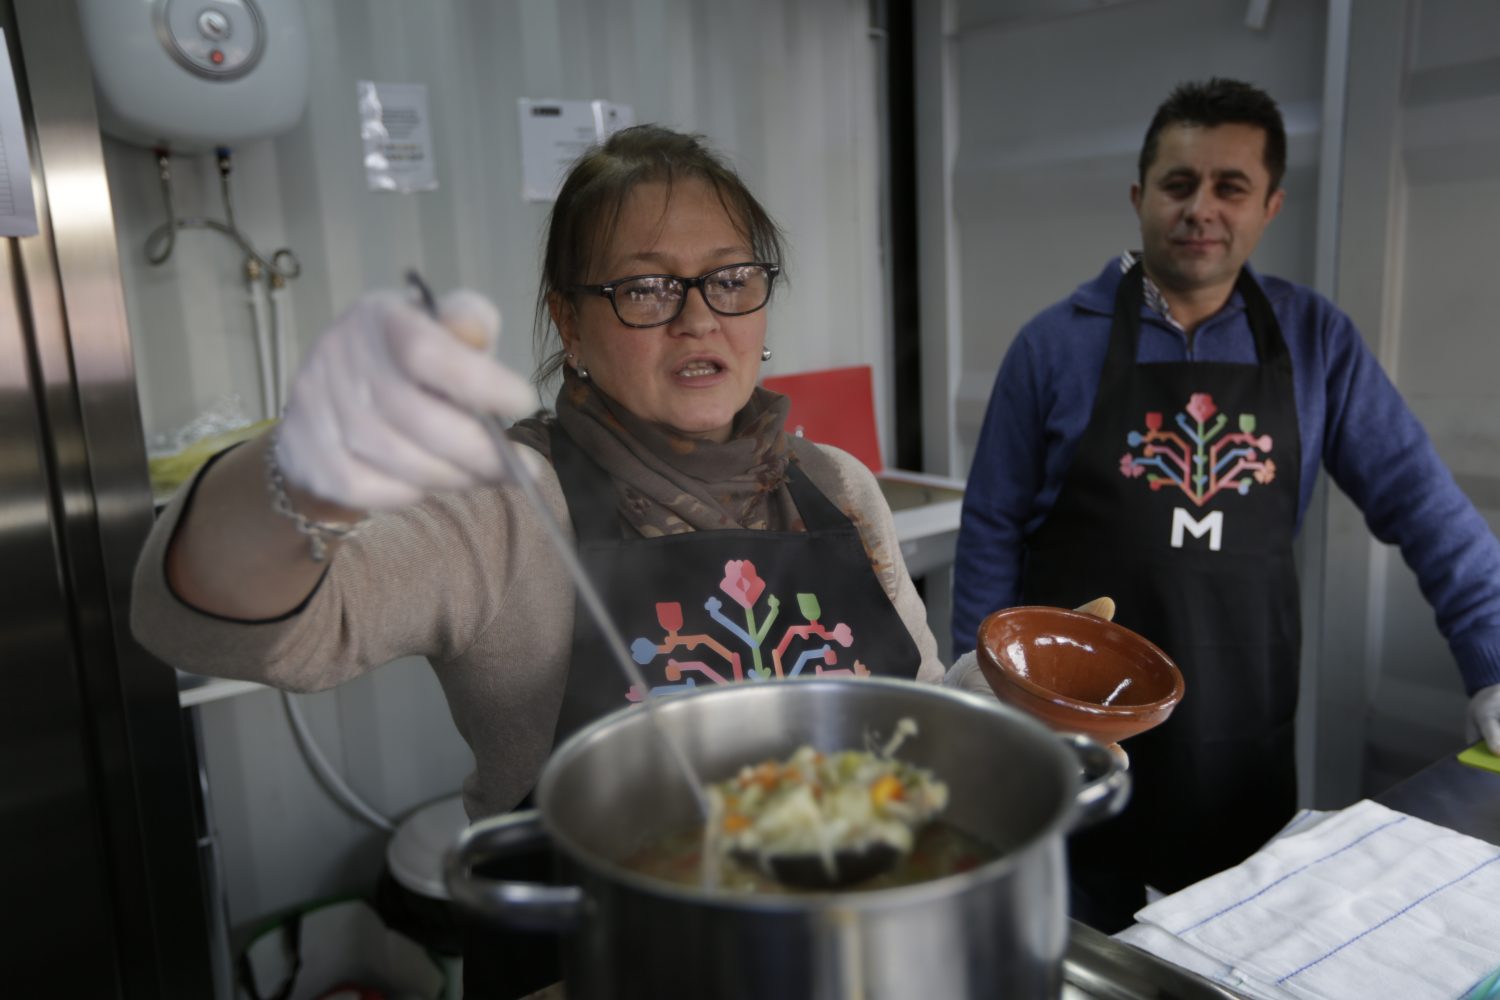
point(1364, 902)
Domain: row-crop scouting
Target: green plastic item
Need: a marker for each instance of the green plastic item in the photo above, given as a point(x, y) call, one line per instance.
point(1479, 755)
point(1489, 986)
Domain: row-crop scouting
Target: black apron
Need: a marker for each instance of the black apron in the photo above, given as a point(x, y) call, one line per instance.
point(1181, 504)
point(720, 607)
point(696, 609)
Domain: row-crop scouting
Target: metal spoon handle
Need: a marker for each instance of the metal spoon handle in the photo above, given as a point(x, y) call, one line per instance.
point(521, 475)
point(616, 642)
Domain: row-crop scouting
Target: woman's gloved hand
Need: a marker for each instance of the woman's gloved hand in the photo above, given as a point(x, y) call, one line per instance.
point(1484, 717)
point(965, 675)
point(383, 410)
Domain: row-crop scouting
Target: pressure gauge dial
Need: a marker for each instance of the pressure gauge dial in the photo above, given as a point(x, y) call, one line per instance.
point(217, 39)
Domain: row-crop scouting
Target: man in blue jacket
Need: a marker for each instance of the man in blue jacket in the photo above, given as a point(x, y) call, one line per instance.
point(1155, 437)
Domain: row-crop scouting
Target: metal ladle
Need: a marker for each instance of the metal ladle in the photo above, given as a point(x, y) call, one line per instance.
point(851, 865)
point(521, 475)
point(845, 865)
point(865, 861)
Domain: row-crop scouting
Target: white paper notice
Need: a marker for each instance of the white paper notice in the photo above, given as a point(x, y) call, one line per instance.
point(17, 209)
point(393, 123)
point(555, 133)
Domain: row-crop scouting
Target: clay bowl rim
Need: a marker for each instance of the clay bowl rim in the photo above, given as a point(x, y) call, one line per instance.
point(1093, 708)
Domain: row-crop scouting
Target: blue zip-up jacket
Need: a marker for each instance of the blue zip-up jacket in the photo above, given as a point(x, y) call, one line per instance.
point(1350, 418)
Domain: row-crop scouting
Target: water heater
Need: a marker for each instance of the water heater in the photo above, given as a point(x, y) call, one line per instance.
point(190, 75)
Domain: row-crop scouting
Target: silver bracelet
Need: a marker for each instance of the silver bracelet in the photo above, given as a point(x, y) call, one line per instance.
point(318, 532)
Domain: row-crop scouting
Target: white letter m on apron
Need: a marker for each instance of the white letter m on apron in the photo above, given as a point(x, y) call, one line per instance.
point(1212, 525)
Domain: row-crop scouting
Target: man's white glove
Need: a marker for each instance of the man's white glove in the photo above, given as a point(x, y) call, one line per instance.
point(965, 675)
point(383, 410)
point(1484, 716)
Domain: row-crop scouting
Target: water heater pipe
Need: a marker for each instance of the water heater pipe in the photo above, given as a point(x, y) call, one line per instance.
point(325, 772)
point(281, 325)
point(263, 349)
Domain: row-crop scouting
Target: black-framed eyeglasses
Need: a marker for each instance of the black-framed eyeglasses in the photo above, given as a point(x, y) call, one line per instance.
point(646, 300)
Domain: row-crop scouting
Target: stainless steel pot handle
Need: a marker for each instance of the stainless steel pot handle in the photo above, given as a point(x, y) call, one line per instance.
point(1106, 783)
point(528, 906)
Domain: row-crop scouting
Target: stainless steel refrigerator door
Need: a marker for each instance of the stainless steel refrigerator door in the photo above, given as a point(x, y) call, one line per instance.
point(102, 892)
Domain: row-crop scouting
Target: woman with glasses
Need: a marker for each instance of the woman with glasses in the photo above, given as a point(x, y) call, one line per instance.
point(726, 550)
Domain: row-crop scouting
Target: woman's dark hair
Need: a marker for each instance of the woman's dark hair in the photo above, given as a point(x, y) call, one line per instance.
point(588, 207)
point(1221, 102)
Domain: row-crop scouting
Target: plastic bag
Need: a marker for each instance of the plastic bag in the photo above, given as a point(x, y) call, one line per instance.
point(174, 457)
point(337, 950)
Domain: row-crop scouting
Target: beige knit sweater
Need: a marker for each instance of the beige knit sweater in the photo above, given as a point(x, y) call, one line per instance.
point(470, 581)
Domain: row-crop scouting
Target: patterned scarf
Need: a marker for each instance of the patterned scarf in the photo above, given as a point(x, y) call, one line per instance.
point(668, 483)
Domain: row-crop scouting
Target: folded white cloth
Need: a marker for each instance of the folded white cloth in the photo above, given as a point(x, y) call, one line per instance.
point(1364, 902)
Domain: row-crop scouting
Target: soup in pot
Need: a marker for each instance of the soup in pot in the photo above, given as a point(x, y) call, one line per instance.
point(818, 821)
point(939, 849)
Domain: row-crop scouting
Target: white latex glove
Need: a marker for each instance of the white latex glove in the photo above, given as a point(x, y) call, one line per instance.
point(965, 675)
point(1484, 716)
point(382, 411)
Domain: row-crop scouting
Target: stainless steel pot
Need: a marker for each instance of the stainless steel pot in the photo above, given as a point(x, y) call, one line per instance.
point(999, 930)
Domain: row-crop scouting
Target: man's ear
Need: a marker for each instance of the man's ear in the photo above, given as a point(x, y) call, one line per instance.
point(1273, 203)
point(1135, 198)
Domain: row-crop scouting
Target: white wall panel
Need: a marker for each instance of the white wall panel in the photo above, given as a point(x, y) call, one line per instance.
point(783, 89)
point(1441, 351)
point(1051, 113)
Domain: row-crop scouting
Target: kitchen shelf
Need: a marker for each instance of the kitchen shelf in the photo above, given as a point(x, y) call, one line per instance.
point(925, 510)
point(193, 690)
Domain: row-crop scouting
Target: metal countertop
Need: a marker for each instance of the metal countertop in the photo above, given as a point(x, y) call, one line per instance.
point(1097, 967)
point(1451, 794)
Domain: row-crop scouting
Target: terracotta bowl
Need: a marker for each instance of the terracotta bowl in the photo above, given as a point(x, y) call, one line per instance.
point(1078, 673)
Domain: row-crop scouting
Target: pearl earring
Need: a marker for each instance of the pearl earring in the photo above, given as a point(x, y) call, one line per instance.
point(765, 354)
point(583, 372)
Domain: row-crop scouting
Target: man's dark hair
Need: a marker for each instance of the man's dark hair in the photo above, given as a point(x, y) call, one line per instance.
point(1221, 102)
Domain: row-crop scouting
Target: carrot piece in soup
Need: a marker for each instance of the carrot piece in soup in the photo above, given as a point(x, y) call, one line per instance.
point(886, 789)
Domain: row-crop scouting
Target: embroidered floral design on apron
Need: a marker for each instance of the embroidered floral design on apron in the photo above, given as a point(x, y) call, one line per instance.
point(737, 627)
point(1194, 461)
point(745, 587)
